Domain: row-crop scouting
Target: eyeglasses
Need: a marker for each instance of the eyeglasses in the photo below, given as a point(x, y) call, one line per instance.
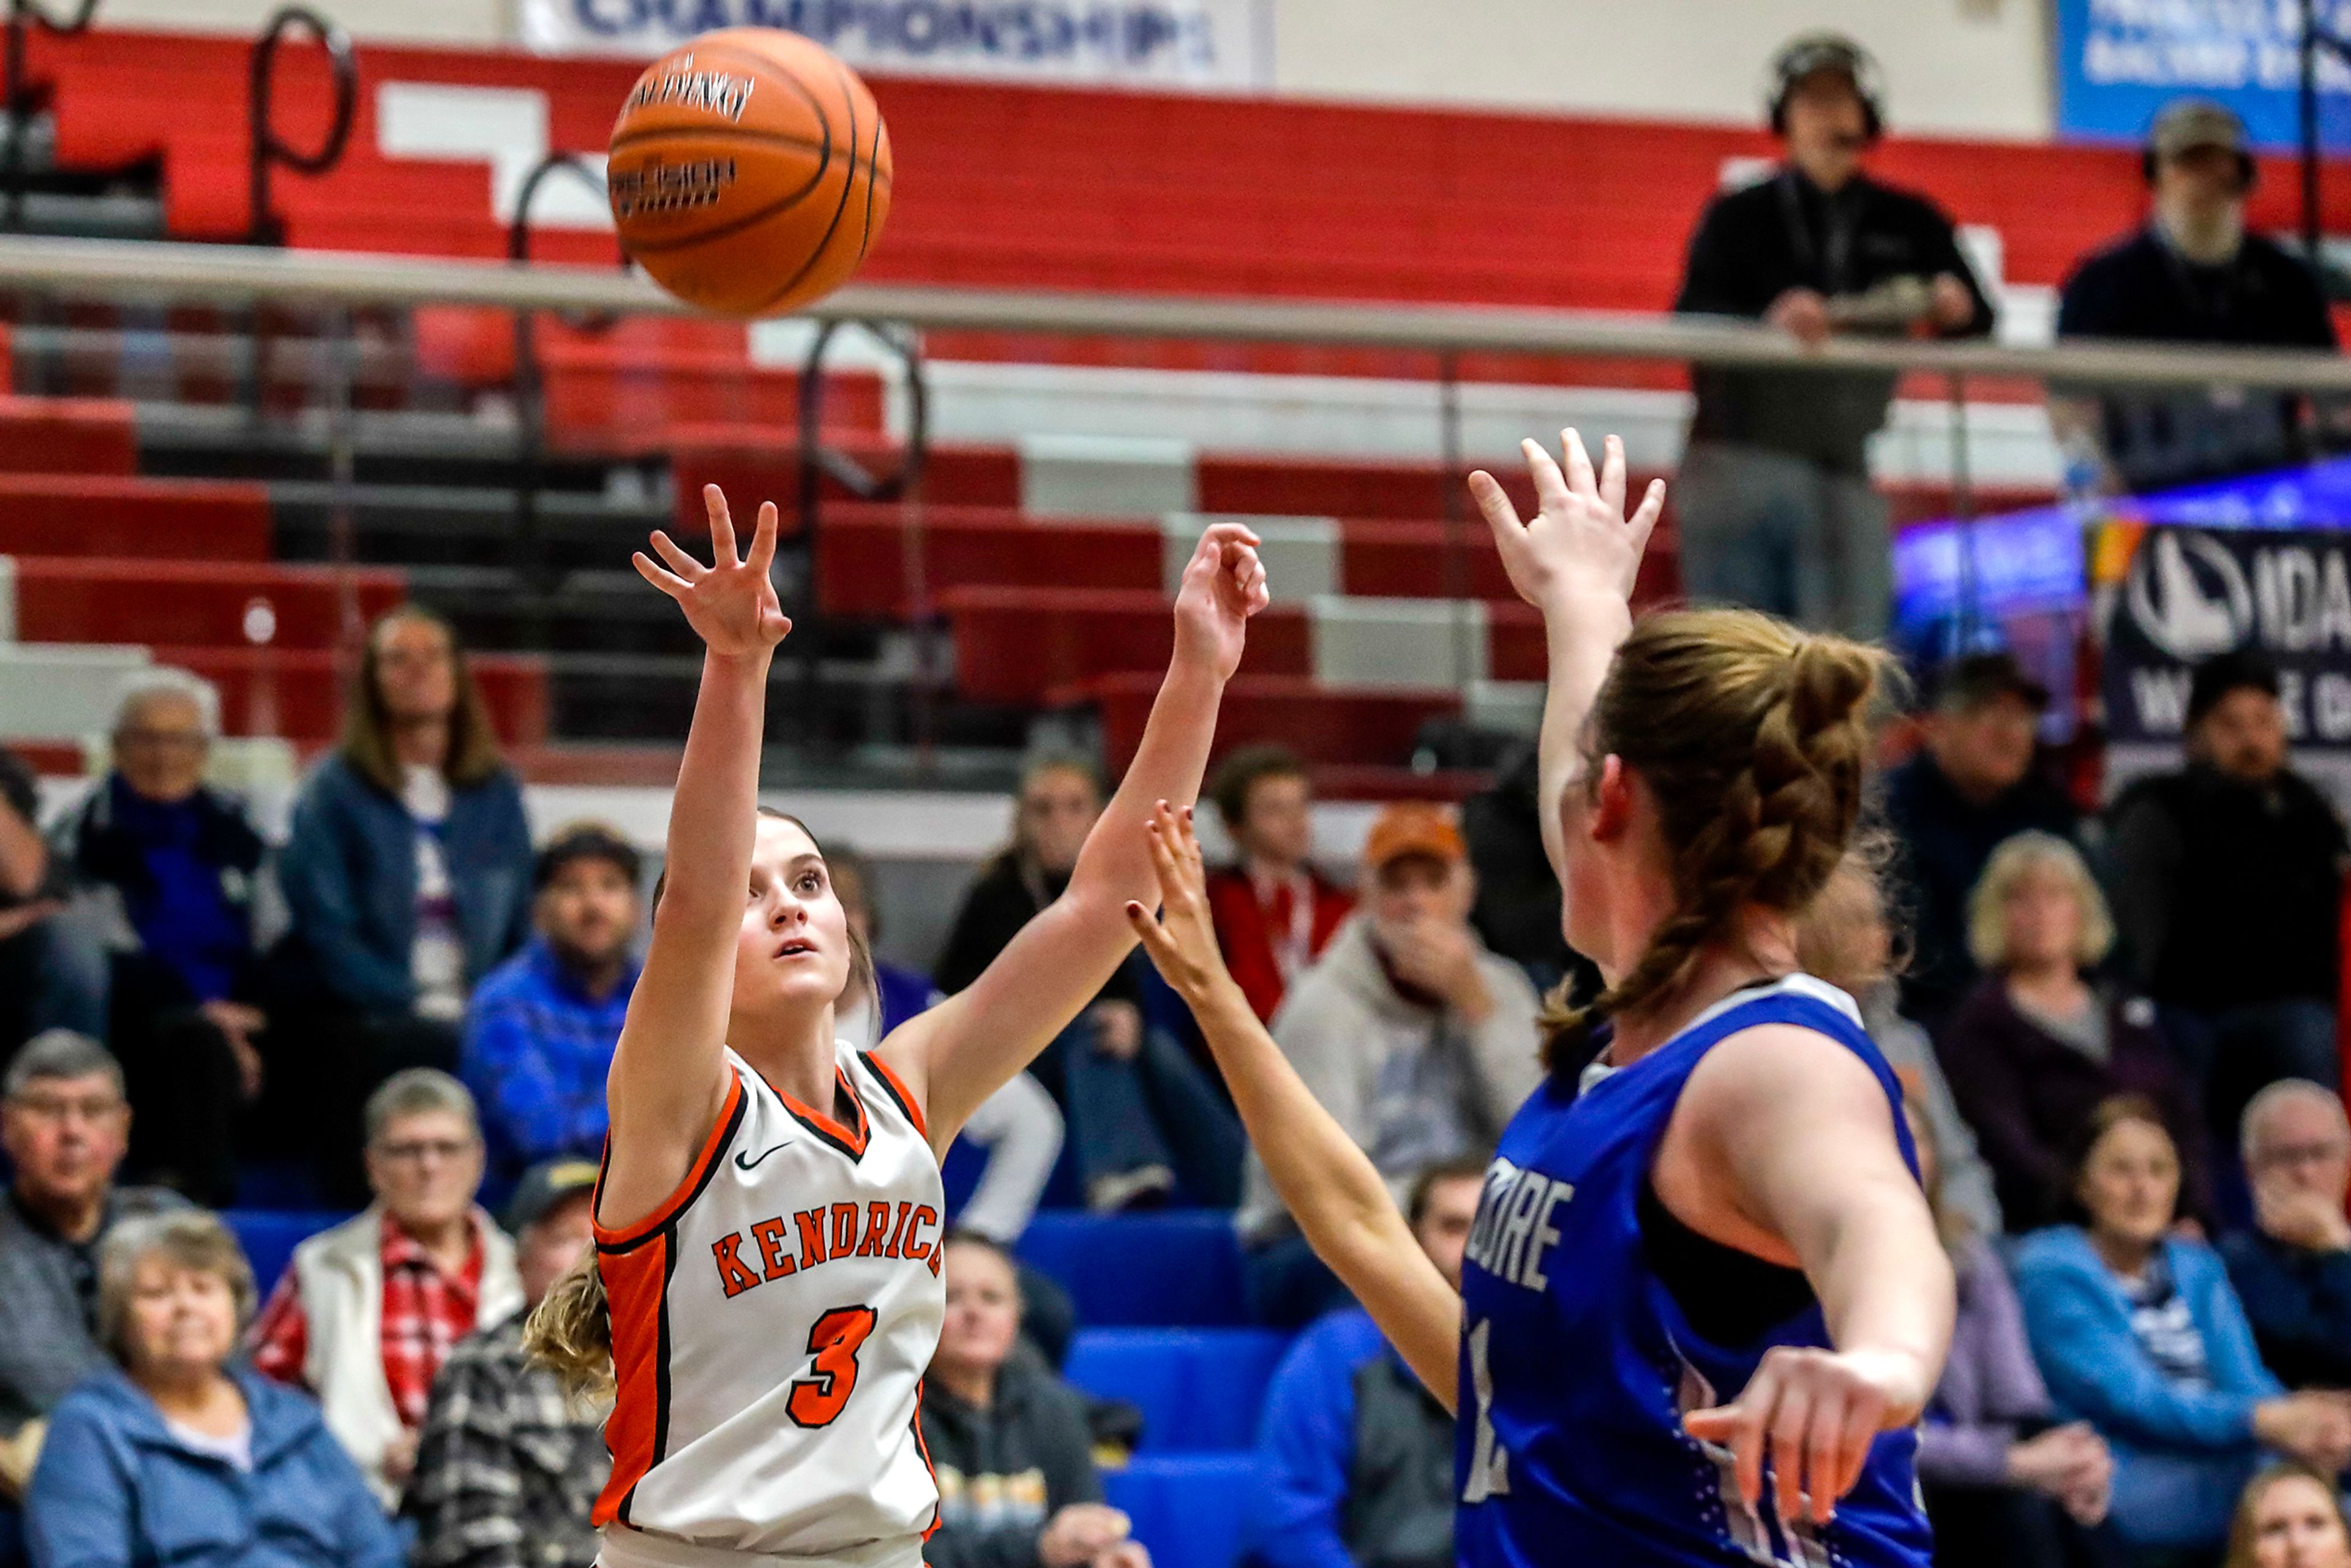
point(417, 1151)
point(185, 739)
point(53, 1108)
point(2301, 1154)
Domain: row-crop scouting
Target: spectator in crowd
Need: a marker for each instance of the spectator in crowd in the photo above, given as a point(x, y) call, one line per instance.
point(179, 1455)
point(2137, 1331)
point(2292, 1269)
point(1019, 1125)
point(2289, 1517)
point(2003, 1483)
point(2036, 1048)
point(508, 1465)
point(2229, 885)
point(1140, 1113)
point(64, 1125)
point(1774, 500)
point(540, 1028)
point(367, 1313)
point(1274, 912)
point(52, 967)
point(1970, 788)
point(1409, 1031)
point(1517, 912)
point(1007, 1439)
point(406, 872)
point(2191, 273)
point(1843, 939)
point(1355, 1456)
point(171, 869)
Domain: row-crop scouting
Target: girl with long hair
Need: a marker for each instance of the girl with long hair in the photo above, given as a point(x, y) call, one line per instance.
point(1704, 1302)
point(766, 1287)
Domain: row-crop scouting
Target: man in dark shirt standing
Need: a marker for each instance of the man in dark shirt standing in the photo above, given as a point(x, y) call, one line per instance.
point(2229, 893)
point(1773, 499)
point(1970, 786)
point(2191, 275)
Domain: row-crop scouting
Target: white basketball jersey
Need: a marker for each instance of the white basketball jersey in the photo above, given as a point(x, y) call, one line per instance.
point(771, 1323)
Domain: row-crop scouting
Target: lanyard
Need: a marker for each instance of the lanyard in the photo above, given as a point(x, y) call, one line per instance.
point(1830, 262)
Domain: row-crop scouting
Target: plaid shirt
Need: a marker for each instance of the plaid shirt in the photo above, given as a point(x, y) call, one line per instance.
point(425, 1314)
point(507, 1466)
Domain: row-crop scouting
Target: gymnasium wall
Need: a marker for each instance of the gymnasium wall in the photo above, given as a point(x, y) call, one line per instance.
point(1969, 67)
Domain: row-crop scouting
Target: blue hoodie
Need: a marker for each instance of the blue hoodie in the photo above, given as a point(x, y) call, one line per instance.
point(114, 1489)
point(2181, 1453)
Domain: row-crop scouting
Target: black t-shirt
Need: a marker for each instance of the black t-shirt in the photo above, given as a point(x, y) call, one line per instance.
point(2143, 289)
point(1754, 246)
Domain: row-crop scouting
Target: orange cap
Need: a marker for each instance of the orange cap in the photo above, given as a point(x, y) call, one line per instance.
point(1412, 828)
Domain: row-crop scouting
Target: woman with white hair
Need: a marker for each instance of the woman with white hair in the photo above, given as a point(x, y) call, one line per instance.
point(177, 1456)
point(169, 868)
point(2038, 1045)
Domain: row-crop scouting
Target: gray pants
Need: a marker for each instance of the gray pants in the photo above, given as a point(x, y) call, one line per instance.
point(1784, 534)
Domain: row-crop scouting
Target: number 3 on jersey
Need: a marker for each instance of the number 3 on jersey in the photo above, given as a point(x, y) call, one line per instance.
point(818, 1398)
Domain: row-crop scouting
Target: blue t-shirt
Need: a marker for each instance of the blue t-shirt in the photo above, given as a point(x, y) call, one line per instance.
point(1577, 1364)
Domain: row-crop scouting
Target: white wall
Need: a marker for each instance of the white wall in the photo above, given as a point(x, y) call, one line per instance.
point(1975, 68)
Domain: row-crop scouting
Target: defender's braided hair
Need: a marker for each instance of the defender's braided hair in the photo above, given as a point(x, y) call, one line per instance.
point(1751, 737)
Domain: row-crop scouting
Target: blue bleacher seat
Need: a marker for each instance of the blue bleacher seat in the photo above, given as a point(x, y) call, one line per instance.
point(269, 1237)
point(1199, 1389)
point(1179, 1270)
point(1186, 1508)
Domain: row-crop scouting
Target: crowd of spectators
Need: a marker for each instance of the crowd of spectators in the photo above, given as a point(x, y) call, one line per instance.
point(2116, 1033)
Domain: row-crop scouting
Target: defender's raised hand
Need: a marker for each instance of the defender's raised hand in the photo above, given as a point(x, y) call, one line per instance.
point(1579, 540)
point(1224, 585)
point(1182, 941)
point(731, 604)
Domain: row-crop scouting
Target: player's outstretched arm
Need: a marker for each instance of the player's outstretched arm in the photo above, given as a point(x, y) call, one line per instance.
point(961, 1052)
point(1576, 562)
point(668, 1077)
point(1784, 1136)
point(1329, 1185)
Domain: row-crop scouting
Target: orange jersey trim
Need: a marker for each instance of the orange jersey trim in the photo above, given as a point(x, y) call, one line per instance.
point(635, 1282)
point(901, 1094)
point(850, 1141)
point(696, 1176)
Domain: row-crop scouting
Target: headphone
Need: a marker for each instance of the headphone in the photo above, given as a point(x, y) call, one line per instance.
point(1827, 51)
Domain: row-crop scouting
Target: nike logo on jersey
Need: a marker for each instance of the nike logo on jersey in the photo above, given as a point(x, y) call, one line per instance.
point(746, 1160)
point(825, 1234)
point(1514, 1234)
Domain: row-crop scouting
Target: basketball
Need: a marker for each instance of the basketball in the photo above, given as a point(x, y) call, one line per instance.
point(751, 172)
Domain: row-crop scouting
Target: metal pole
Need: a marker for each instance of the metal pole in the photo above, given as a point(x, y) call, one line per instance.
point(1963, 516)
point(2308, 107)
point(1448, 482)
point(343, 531)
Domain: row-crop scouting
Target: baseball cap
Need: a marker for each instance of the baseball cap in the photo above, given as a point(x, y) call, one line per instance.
point(2194, 122)
point(1412, 828)
point(585, 840)
point(544, 1186)
point(1974, 679)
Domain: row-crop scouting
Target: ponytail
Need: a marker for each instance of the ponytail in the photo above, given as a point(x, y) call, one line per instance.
point(1752, 739)
point(569, 1332)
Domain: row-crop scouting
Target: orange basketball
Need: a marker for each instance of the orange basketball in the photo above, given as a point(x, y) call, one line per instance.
point(751, 172)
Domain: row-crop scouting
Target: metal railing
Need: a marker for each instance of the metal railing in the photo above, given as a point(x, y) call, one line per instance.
point(1437, 342)
point(265, 147)
point(22, 15)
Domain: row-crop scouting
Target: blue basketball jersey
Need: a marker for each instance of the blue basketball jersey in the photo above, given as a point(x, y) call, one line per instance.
point(1577, 1364)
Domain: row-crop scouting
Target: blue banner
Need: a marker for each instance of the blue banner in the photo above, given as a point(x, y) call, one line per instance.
point(2120, 61)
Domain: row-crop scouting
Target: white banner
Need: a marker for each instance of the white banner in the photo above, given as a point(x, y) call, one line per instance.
point(1141, 42)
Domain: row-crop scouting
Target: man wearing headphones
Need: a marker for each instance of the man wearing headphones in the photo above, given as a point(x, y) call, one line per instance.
point(2191, 275)
point(1774, 500)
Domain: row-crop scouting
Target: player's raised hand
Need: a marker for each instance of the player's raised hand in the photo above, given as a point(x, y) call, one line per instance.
point(1224, 585)
point(1182, 942)
point(731, 603)
point(1814, 1415)
point(1579, 540)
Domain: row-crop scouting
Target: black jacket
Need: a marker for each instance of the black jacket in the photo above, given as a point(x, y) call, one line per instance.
point(1004, 1472)
point(2227, 894)
point(2299, 1303)
point(2141, 288)
point(1754, 246)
